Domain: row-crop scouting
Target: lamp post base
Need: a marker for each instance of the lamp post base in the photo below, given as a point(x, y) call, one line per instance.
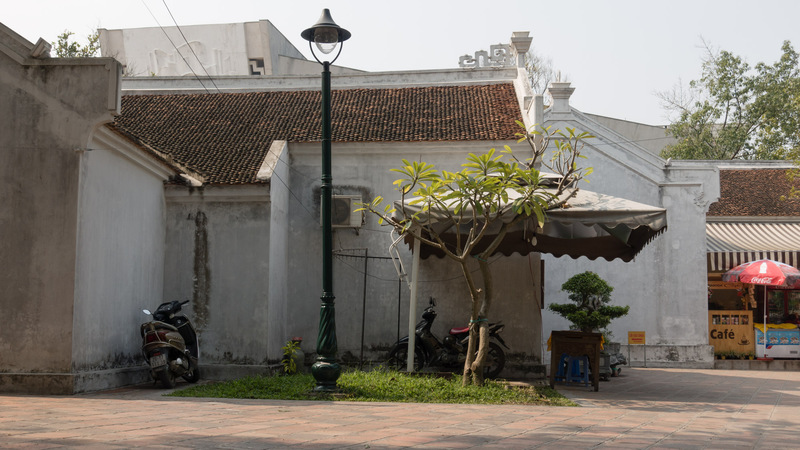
point(326, 371)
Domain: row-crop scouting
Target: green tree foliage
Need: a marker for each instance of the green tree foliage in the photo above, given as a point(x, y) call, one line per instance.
point(71, 49)
point(488, 192)
point(735, 111)
point(590, 310)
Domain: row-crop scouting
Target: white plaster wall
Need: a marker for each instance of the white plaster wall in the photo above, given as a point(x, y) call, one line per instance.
point(48, 109)
point(220, 49)
point(364, 169)
point(267, 42)
point(665, 285)
point(215, 50)
point(120, 258)
point(217, 257)
point(652, 138)
point(278, 299)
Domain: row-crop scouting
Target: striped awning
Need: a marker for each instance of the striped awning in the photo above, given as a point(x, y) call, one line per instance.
point(732, 243)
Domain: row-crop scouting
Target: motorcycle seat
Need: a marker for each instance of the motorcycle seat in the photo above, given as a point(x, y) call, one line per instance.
point(459, 330)
point(163, 325)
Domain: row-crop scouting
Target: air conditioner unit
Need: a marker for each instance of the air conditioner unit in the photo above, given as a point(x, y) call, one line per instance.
point(342, 211)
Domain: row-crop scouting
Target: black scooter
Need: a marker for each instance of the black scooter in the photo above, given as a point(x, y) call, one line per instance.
point(170, 346)
point(451, 352)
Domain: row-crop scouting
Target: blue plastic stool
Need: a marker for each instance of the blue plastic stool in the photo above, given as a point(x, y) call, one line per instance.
point(563, 364)
point(578, 368)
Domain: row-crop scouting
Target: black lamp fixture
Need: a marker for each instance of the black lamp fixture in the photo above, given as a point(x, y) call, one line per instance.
point(327, 36)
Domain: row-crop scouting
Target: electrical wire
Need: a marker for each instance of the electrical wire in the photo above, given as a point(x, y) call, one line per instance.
point(443, 280)
point(176, 48)
point(190, 47)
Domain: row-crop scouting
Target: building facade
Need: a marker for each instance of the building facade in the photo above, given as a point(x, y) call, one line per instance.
point(169, 190)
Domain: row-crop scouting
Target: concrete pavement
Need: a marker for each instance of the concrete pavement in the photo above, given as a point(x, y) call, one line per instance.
point(644, 408)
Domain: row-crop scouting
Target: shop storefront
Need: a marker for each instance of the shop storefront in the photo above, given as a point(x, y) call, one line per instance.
point(738, 312)
point(753, 219)
point(736, 321)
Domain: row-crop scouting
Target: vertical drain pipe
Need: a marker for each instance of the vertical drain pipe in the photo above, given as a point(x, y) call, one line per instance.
point(364, 308)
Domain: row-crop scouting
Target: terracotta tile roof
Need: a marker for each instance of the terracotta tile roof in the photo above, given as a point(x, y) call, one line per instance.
point(755, 192)
point(224, 137)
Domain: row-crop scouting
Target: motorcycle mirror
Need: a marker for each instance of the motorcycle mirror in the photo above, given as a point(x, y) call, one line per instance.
point(147, 311)
point(432, 301)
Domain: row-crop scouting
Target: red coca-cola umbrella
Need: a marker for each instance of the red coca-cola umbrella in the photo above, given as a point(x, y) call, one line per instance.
point(765, 272)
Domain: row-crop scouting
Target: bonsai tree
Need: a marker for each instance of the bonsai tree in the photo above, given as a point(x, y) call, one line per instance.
point(590, 310)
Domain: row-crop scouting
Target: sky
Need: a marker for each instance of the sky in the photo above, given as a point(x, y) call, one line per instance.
point(617, 53)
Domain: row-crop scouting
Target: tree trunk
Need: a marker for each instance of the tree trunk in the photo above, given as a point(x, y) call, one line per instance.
point(471, 346)
point(480, 359)
point(478, 346)
point(483, 322)
point(474, 336)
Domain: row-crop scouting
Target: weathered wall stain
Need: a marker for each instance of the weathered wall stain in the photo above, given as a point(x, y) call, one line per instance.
point(111, 361)
point(202, 271)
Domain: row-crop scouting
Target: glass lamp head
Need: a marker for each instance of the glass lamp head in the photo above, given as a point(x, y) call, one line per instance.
point(326, 34)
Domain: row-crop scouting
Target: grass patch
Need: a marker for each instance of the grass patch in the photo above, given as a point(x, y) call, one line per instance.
point(378, 386)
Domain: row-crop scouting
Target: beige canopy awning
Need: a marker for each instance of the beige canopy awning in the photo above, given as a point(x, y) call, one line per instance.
point(590, 224)
point(732, 243)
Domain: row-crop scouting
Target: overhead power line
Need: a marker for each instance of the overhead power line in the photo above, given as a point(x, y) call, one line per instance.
point(178, 51)
point(190, 47)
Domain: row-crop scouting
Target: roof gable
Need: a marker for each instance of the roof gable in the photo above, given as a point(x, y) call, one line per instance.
point(609, 144)
point(225, 137)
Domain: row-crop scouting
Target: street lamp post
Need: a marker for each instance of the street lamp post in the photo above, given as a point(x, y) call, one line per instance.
point(326, 36)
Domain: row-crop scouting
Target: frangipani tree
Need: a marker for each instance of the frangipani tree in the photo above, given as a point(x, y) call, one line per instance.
point(488, 193)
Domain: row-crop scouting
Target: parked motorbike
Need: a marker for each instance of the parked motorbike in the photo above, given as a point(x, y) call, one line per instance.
point(170, 346)
point(451, 352)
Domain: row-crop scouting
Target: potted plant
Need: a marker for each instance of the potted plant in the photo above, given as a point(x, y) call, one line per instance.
point(590, 310)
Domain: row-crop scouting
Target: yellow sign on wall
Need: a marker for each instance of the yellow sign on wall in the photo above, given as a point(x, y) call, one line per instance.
point(636, 338)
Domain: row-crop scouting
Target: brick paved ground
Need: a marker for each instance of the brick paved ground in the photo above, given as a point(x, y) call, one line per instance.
point(644, 408)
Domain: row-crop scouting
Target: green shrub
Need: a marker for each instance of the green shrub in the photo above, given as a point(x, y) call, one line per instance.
point(289, 364)
point(589, 311)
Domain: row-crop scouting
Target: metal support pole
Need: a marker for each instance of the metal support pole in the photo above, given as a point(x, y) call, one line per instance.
point(326, 370)
point(399, 296)
point(412, 308)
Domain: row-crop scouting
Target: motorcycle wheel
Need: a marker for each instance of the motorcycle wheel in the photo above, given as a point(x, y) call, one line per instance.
point(166, 378)
point(192, 376)
point(495, 361)
point(398, 358)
